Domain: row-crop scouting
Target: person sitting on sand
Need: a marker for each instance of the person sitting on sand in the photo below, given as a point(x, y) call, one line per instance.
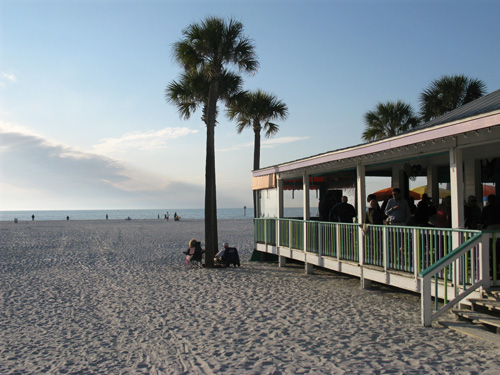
point(190, 251)
point(231, 257)
point(219, 257)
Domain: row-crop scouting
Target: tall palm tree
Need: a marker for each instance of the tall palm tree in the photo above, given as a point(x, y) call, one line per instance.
point(256, 110)
point(208, 48)
point(448, 93)
point(388, 119)
point(190, 92)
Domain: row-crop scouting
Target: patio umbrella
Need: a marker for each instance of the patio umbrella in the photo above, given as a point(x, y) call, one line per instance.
point(382, 194)
point(488, 189)
point(421, 190)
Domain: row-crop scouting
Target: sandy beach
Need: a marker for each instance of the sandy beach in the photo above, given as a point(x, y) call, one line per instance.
point(114, 297)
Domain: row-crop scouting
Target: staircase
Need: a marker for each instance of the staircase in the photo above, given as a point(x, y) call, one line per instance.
point(482, 320)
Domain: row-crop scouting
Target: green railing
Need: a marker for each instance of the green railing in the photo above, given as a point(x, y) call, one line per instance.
point(464, 269)
point(265, 231)
point(454, 258)
point(405, 249)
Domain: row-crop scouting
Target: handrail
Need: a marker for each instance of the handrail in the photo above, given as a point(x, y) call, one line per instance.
point(426, 277)
point(449, 258)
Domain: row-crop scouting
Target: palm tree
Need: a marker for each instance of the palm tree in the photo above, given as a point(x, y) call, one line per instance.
point(190, 92)
point(207, 49)
point(449, 93)
point(388, 119)
point(256, 110)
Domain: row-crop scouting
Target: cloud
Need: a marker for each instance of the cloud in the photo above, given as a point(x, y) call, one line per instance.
point(266, 143)
point(143, 141)
point(7, 77)
point(37, 172)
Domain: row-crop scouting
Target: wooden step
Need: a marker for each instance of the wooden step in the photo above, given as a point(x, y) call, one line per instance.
point(473, 330)
point(492, 295)
point(477, 317)
point(491, 305)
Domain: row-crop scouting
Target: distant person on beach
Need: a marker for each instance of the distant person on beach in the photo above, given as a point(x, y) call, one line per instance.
point(167, 216)
point(397, 209)
point(33, 217)
point(67, 217)
point(176, 217)
point(107, 217)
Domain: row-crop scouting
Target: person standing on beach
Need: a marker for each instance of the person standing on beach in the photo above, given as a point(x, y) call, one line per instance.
point(32, 217)
point(397, 210)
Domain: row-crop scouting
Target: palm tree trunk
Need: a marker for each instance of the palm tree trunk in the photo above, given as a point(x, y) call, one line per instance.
point(256, 164)
point(211, 240)
point(256, 147)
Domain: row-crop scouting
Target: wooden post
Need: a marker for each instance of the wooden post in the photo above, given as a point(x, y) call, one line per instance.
point(484, 264)
point(426, 301)
point(309, 268)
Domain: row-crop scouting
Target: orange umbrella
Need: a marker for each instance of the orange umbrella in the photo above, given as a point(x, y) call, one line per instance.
point(488, 189)
point(387, 192)
point(421, 190)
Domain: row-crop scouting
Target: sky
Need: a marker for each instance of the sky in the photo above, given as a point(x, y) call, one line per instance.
point(84, 123)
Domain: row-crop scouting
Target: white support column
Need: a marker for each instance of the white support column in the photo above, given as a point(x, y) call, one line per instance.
point(279, 209)
point(361, 192)
point(472, 179)
point(306, 203)
point(306, 215)
point(280, 197)
point(361, 205)
point(457, 188)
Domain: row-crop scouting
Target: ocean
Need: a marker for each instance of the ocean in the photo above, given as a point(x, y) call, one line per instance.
point(153, 214)
point(144, 214)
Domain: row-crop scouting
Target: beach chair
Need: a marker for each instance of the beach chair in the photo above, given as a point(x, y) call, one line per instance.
point(197, 259)
point(231, 257)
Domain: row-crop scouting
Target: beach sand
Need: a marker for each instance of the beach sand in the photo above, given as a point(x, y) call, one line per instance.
point(114, 297)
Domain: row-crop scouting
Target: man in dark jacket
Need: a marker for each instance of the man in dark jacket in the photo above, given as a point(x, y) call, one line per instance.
point(342, 212)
